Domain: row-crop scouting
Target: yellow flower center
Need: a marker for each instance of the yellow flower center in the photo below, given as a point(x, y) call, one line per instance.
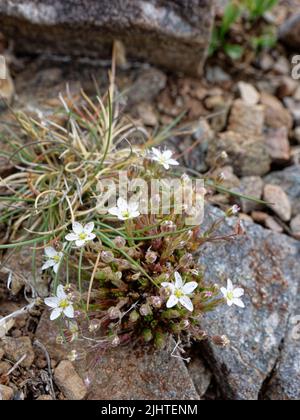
point(56, 258)
point(125, 214)
point(178, 293)
point(63, 304)
point(230, 296)
point(83, 236)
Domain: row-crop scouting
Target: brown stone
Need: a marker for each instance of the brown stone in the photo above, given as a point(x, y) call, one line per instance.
point(278, 145)
point(69, 382)
point(276, 115)
point(246, 119)
point(251, 186)
point(279, 201)
point(16, 348)
point(6, 393)
point(246, 154)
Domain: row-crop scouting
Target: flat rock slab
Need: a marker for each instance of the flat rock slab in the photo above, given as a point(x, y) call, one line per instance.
point(267, 266)
point(125, 373)
point(171, 33)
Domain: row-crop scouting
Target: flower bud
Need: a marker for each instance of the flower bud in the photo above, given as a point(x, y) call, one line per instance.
point(119, 242)
point(233, 211)
point(160, 340)
point(155, 301)
point(114, 313)
point(94, 325)
point(145, 310)
point(134, 316)
point(73, 356)
point(171, 314)
point(168, 226)
point(107, 257)
point(116, 341)
point(147, 335)
point(221, 341)
point(151, 257)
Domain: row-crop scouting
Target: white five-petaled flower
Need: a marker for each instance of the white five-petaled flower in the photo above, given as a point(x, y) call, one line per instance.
point(164, 158)
point(179, 292)
point(53, 259)
point(60, 304)
point(233, 294)
point(125, 210)
point(81, 234)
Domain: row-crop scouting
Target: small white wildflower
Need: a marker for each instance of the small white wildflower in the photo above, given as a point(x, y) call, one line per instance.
point(233, 294)
point(53, 259)
point(234, 210)
point(81, 234)
point(179, 292)
point(60, 304)
point(164, 158)
point(125, 210)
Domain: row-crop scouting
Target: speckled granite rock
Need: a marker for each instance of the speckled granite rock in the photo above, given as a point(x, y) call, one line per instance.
point(267, 266)
point(289, 181)
point(285, 380)
point(126, 374)
point(172, 33)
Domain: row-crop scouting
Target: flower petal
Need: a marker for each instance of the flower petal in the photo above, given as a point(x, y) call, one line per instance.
point(50, 252)
point(89, 227)
point(229, 286)
point(60, 292)
point(52, 302)
point(56, 267)
point(48, 264)
point(77, 228)
point(178, 280)
point(80, 243)
point(239, 303)
point(156, 152)
point(91, 236)
point(71, 237)
point(169, 286)
point(238, 292)
point(189, 287)
point(224, 292)
point(56, 313)
point(187, 303)
point(115, 211)
point(167, 154)
point(69, 311)
point(173, 300)
point(122, 204)
point(173, 162)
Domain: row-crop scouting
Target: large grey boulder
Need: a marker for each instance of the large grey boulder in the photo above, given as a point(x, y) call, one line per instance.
point(171, 33)
point(267, 266)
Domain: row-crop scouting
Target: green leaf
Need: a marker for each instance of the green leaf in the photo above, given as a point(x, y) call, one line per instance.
point(234, 51)
point(231, 14)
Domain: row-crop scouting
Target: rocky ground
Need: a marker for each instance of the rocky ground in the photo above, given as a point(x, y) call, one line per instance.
point(252, 111)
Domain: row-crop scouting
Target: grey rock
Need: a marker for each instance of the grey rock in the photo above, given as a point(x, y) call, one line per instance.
point(170, 33)
point(125, 373)
point(18, 263)
point(289, 181)
point(247, 153)
point(251, 186)
point(267, 266)
point(289, 31)
point(285, 380)
point(200, 375)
